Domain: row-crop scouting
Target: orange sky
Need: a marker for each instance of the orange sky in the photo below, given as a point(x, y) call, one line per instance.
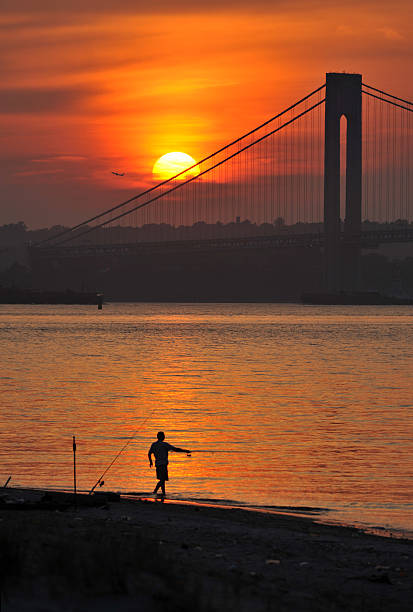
point(94, 86)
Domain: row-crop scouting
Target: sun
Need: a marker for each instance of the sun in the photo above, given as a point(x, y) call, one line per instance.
point(173, 163)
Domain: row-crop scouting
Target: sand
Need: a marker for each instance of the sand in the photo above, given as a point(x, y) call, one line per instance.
point(149, 556)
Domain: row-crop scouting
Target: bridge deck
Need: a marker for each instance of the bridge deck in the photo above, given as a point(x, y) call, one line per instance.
point(366, 239)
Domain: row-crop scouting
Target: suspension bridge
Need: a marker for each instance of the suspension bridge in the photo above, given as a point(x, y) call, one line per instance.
point(331, 175)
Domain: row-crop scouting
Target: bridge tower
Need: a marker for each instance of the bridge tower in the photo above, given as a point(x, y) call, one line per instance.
point(343, 97)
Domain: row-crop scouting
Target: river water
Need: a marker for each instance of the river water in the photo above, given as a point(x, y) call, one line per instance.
point(292, 406)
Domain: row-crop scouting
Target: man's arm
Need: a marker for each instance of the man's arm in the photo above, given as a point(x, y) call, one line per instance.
point(150, 452)
point(178, 450)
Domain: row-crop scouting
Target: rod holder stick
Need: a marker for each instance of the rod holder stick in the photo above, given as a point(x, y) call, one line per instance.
point(74, 469)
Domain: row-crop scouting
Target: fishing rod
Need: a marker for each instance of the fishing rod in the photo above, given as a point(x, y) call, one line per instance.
point(202, 450)
point(99, 481)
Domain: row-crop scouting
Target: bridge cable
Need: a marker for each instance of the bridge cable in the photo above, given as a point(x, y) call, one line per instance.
point(367, 93)
point(191, 179)
point(384, 153)
point(387, 94)
point(172, 178)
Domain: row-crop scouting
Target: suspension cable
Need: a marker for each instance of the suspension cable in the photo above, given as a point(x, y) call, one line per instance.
point(189, 180)
point(367, 93)
point(387, 94)
point(172, 178)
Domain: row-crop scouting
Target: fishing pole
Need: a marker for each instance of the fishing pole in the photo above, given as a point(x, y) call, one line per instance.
point(99, 480)
point(202, 450)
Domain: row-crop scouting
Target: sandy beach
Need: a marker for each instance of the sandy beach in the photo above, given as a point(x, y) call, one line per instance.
point(147, 555)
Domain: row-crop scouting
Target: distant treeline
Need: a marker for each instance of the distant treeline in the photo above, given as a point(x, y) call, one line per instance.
point(17, 234)
point(237, 274)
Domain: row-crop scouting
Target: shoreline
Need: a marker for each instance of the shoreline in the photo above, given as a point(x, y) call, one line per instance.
point(321, 515)
point(317, 515)
point(180, 556)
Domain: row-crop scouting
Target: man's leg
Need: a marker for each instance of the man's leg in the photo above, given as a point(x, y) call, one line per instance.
point(162, 483)
point(157, 486)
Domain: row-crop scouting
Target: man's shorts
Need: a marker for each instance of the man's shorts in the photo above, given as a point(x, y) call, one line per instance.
point(162, 472)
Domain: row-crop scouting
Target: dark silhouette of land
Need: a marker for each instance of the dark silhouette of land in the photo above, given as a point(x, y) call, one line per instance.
point(167, 273)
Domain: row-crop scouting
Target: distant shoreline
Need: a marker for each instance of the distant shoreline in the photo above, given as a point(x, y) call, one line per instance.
point(94, 298)
point(28, 296)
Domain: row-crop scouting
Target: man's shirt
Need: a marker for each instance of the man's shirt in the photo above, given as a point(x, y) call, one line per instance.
point(160, 450)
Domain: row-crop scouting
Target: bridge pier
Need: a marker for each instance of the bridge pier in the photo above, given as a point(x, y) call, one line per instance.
point(342, 257)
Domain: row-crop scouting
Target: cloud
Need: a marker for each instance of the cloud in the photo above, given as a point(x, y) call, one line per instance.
point(37, 172)
point(55, 158)
point(390, 34)
point(46, 100)
point(162, 7)
point(345, 30)
point(144, 7)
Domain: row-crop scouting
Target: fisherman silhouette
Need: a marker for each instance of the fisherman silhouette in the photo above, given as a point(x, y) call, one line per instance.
point(160, 451)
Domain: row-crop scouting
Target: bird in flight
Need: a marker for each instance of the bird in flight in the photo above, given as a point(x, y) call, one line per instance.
point(118, 173)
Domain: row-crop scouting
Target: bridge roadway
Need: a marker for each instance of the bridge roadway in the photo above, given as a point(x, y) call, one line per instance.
point(368, 239)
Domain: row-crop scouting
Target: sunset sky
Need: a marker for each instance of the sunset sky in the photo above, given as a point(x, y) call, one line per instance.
point(94, 86)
